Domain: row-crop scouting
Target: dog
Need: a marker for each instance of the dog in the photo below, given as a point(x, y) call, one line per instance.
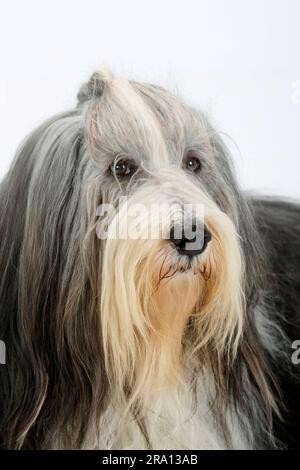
point(117, 341)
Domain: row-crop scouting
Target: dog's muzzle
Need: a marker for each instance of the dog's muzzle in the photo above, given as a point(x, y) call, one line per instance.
point(191, 242)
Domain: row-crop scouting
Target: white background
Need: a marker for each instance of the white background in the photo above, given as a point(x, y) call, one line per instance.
point(239, 59)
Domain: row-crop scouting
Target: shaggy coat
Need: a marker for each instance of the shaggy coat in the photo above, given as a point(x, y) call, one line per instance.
point(123, 343)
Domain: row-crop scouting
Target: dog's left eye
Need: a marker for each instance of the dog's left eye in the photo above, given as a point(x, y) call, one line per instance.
point(192, 163)
point(123, 168)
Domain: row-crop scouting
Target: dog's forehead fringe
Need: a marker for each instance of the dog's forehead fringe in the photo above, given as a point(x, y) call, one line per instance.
point(129, 114)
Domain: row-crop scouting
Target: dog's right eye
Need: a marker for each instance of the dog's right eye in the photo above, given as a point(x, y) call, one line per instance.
point(123, 168)
point(192, 162)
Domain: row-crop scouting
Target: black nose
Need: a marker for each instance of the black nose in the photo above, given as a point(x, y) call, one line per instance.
point(193, 243)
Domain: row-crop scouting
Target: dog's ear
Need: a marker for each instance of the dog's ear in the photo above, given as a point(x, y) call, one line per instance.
point(236, 201)
point(46, 300)
point(94, 88)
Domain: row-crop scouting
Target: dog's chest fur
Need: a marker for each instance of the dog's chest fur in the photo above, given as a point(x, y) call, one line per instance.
point(174, 421)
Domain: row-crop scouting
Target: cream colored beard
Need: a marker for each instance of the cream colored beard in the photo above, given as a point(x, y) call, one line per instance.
point(148, 358)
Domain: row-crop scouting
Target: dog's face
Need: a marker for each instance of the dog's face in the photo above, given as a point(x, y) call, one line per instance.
point(130, 263)
point(171, 265)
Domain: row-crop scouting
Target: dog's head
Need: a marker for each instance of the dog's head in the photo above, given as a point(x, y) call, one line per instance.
point(134, 251)
point(171, 263)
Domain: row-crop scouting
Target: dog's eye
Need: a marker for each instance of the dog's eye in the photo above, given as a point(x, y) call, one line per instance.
point(123, 168)
point(192, 163)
